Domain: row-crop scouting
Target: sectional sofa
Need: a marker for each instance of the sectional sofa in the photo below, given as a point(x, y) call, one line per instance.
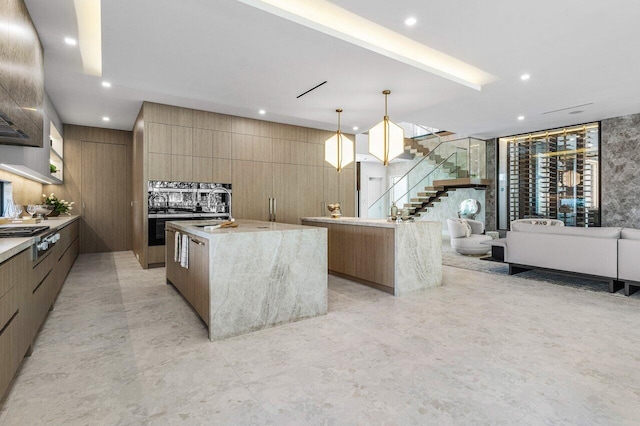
point(605, 253)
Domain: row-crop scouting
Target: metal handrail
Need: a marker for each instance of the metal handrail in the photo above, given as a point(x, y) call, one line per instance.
point(416, 165)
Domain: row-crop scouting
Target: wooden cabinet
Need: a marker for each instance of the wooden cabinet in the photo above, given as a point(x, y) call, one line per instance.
point(191, 282)
point(199, 276)
point(28, 290)
point(104, 199)
point(252, 189)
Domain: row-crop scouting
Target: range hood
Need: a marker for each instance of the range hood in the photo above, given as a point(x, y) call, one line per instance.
point(9, 132)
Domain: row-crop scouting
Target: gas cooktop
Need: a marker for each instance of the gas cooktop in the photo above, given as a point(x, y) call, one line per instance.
point(21, 231)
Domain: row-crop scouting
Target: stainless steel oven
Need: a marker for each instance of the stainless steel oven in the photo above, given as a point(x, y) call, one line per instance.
point(169, 201)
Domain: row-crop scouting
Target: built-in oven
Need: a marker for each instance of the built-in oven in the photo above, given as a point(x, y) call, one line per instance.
point(169, 201)
point(157, 223)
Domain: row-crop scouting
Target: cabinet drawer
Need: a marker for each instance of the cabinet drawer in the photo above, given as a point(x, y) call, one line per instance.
point(14, 271)
point(9, 305)
point(14, 339)
point(42, 269)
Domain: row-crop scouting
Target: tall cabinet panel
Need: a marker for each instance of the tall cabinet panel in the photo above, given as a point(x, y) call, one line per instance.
point(252, 189)
point(104, 174)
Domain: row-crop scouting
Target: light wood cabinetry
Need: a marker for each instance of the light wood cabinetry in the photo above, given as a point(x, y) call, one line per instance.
point(28, 290)
point(104, 174)
point(252, 188)
point(191, 282)
point(262, 160)
point(98, 177)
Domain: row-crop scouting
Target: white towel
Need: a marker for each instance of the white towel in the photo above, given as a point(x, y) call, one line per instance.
point(184, 252)
point(176, 248)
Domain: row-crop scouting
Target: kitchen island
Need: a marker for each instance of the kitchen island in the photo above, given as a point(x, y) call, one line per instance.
point(244, 279)
point(398, 258)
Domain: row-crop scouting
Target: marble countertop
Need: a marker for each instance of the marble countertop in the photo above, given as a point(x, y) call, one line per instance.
point(9, 247)
point(360, 221)
point(194, 227)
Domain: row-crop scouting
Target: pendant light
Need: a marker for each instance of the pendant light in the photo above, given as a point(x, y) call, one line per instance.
point(386, 139)
point(338, 149)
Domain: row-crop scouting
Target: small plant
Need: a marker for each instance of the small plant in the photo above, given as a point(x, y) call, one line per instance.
point(60, 206)
point(52, 168)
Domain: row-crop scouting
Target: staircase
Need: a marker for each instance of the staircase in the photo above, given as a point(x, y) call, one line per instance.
point(439, 170)
point(440, 189)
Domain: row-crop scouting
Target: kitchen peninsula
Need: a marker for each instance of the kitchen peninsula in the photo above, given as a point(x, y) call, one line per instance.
point(244, 279)
point(398, 258)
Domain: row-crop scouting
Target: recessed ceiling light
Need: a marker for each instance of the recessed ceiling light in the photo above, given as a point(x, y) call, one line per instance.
point(106, 84)
point(70, 41)
point(410, 21)
point(355, 127)
point(525, 77)
point(105, 118)
point(521, 117)
point(262, 112)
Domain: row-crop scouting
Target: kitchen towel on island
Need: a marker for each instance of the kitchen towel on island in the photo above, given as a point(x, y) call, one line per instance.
point(184, 252)
point(176, 247)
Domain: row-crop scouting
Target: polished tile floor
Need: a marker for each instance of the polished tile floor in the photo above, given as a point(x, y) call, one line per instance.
point(121, 347)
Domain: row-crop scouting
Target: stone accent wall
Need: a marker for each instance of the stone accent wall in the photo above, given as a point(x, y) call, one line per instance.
point(620, 171)
point(491, 205)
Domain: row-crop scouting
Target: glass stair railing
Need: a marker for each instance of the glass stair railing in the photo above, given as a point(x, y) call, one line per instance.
point(414, 192)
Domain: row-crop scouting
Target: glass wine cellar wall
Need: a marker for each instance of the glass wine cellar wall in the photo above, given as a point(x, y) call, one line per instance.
point(552, 174)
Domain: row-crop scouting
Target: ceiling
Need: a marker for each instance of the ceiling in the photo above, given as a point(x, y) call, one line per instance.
point(228, 57)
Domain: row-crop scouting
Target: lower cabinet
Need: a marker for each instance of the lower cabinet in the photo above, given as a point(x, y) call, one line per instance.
point(191, 282)
point(28, 290)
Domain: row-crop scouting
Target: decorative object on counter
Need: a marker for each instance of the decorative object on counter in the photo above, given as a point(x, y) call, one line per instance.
point(386, 139)
point(469, 209)
point(228, 224)
point(394, 210)
point(43, 210)
point(338, 149)
point(335, 210)
point(31, 209)
point(59, 206)
point(53, 169)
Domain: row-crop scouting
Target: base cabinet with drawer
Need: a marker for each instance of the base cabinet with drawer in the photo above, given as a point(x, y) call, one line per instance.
point(191, 282)
point(28, 290)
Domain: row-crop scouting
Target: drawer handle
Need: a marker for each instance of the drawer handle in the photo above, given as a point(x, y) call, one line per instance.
point(197, 242)
point(9, 322)
point(41, 282)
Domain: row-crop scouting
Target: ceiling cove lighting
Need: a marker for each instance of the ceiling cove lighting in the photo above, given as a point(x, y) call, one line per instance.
point(525, 77)
point(70, 41)
point(386, 139)
point(89, 19)
point(338, 149)
point(330, 19)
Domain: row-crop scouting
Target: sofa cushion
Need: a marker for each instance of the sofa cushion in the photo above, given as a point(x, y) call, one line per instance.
point(609, 232)
point(476, 226)
point(630, 234)
point(456, 228)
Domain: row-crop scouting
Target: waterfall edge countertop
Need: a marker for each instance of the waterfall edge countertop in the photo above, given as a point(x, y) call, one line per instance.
point(258, 275)
point(9, 247)
point(399, 258)
point(358, 221)
point(196, 227)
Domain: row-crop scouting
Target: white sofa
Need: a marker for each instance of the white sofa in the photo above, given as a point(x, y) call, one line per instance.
point(471, 244)
point(629, 260)
point(590, 251)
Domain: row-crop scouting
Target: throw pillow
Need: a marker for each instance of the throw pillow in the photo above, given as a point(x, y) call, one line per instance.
point(467, 228)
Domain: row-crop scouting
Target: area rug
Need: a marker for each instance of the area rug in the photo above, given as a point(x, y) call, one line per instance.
point(474, 263)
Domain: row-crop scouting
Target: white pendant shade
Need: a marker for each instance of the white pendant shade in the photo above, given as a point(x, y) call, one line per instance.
point(386, 139)
point(339, 149)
